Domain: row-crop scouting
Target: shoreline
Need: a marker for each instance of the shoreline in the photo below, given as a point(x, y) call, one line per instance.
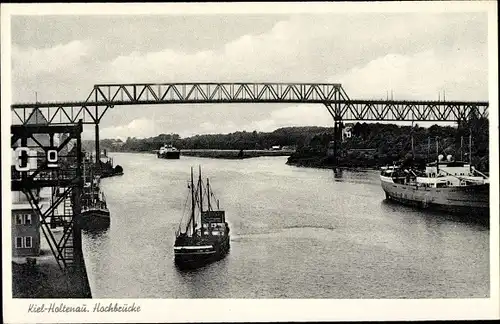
point(232, 155)
point(331, 167)
point(221, 154)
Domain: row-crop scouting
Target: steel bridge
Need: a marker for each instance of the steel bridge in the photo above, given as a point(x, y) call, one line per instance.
point(106, 96)
point(32, 119)
point(339, 105)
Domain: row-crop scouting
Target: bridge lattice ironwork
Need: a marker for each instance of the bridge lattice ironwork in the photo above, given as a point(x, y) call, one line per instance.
point(333, 96)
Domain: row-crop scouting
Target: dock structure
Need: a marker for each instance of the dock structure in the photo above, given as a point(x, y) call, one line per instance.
point(48, 159)
point(340, 106)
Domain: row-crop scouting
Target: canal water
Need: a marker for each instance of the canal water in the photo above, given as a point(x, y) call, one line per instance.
point(295, 233)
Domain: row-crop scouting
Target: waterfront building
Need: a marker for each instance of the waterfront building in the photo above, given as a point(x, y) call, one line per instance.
point(347, 131)
point(25, 231)
point(25, 226)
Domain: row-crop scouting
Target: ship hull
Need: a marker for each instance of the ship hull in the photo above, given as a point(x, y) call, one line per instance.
point(189, 256)
point(169, 155)
point(110, 174)
point(95, 218)
point(472, 201)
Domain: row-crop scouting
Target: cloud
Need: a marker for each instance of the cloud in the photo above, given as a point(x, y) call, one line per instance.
point(461, 74)
point(297, 115)
point(60, 58)
point(415, 55)
point(306, 49)
point(142, 127)
point(65, 72)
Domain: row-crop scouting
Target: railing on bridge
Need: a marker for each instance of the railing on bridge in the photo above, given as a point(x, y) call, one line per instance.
point(105, 96)
point(398, 110)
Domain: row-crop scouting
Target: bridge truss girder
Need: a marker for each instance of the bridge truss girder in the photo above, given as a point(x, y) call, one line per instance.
point(106, 96)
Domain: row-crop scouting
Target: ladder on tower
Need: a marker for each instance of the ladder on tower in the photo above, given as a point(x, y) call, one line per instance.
point(65, 246)
point(69, 252)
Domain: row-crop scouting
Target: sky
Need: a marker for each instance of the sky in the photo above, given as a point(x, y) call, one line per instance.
point(413, 55)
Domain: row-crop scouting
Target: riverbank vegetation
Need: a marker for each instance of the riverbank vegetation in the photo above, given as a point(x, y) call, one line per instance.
point(282, 137)
point(368, 145)
point(374, 145)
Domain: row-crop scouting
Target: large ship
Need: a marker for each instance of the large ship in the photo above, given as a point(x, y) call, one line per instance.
point(448, 185)
point(197, 246)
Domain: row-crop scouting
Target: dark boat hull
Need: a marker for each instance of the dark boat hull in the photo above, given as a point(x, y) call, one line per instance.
point(169, 155)
point(111, 174)
point(95, 219)
point(196, 258)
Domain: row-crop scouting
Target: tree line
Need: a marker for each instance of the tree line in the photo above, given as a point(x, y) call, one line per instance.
point(287, 136)
point(388, 143)
point(376, 144)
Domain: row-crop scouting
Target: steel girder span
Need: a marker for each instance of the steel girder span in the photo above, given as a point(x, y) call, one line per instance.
point(340, 106)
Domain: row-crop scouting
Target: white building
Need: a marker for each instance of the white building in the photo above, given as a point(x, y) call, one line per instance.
point(347, 131)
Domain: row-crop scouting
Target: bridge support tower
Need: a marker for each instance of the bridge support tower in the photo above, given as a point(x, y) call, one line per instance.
point(97, 150)
point(337, 137)
point(335, 111)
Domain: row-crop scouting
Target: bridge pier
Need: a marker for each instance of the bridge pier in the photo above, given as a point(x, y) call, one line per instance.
point(97, 150)
point(337, 138)
point(335, 111)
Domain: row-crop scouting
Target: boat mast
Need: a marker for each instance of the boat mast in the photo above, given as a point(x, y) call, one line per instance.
point(208, 195)
point(192, 201)
point(91, 186)
point(461, 148)
point(428, 149)
point(412, 148)
point(470, 148)
point(437, 155)
point(201, 198)
point(209, 207)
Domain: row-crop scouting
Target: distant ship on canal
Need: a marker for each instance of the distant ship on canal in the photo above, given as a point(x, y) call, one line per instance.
point(168, 151)
point(196, 246)
point(452, 186)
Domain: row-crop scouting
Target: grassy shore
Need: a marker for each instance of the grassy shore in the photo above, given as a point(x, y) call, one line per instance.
point(45, 279)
